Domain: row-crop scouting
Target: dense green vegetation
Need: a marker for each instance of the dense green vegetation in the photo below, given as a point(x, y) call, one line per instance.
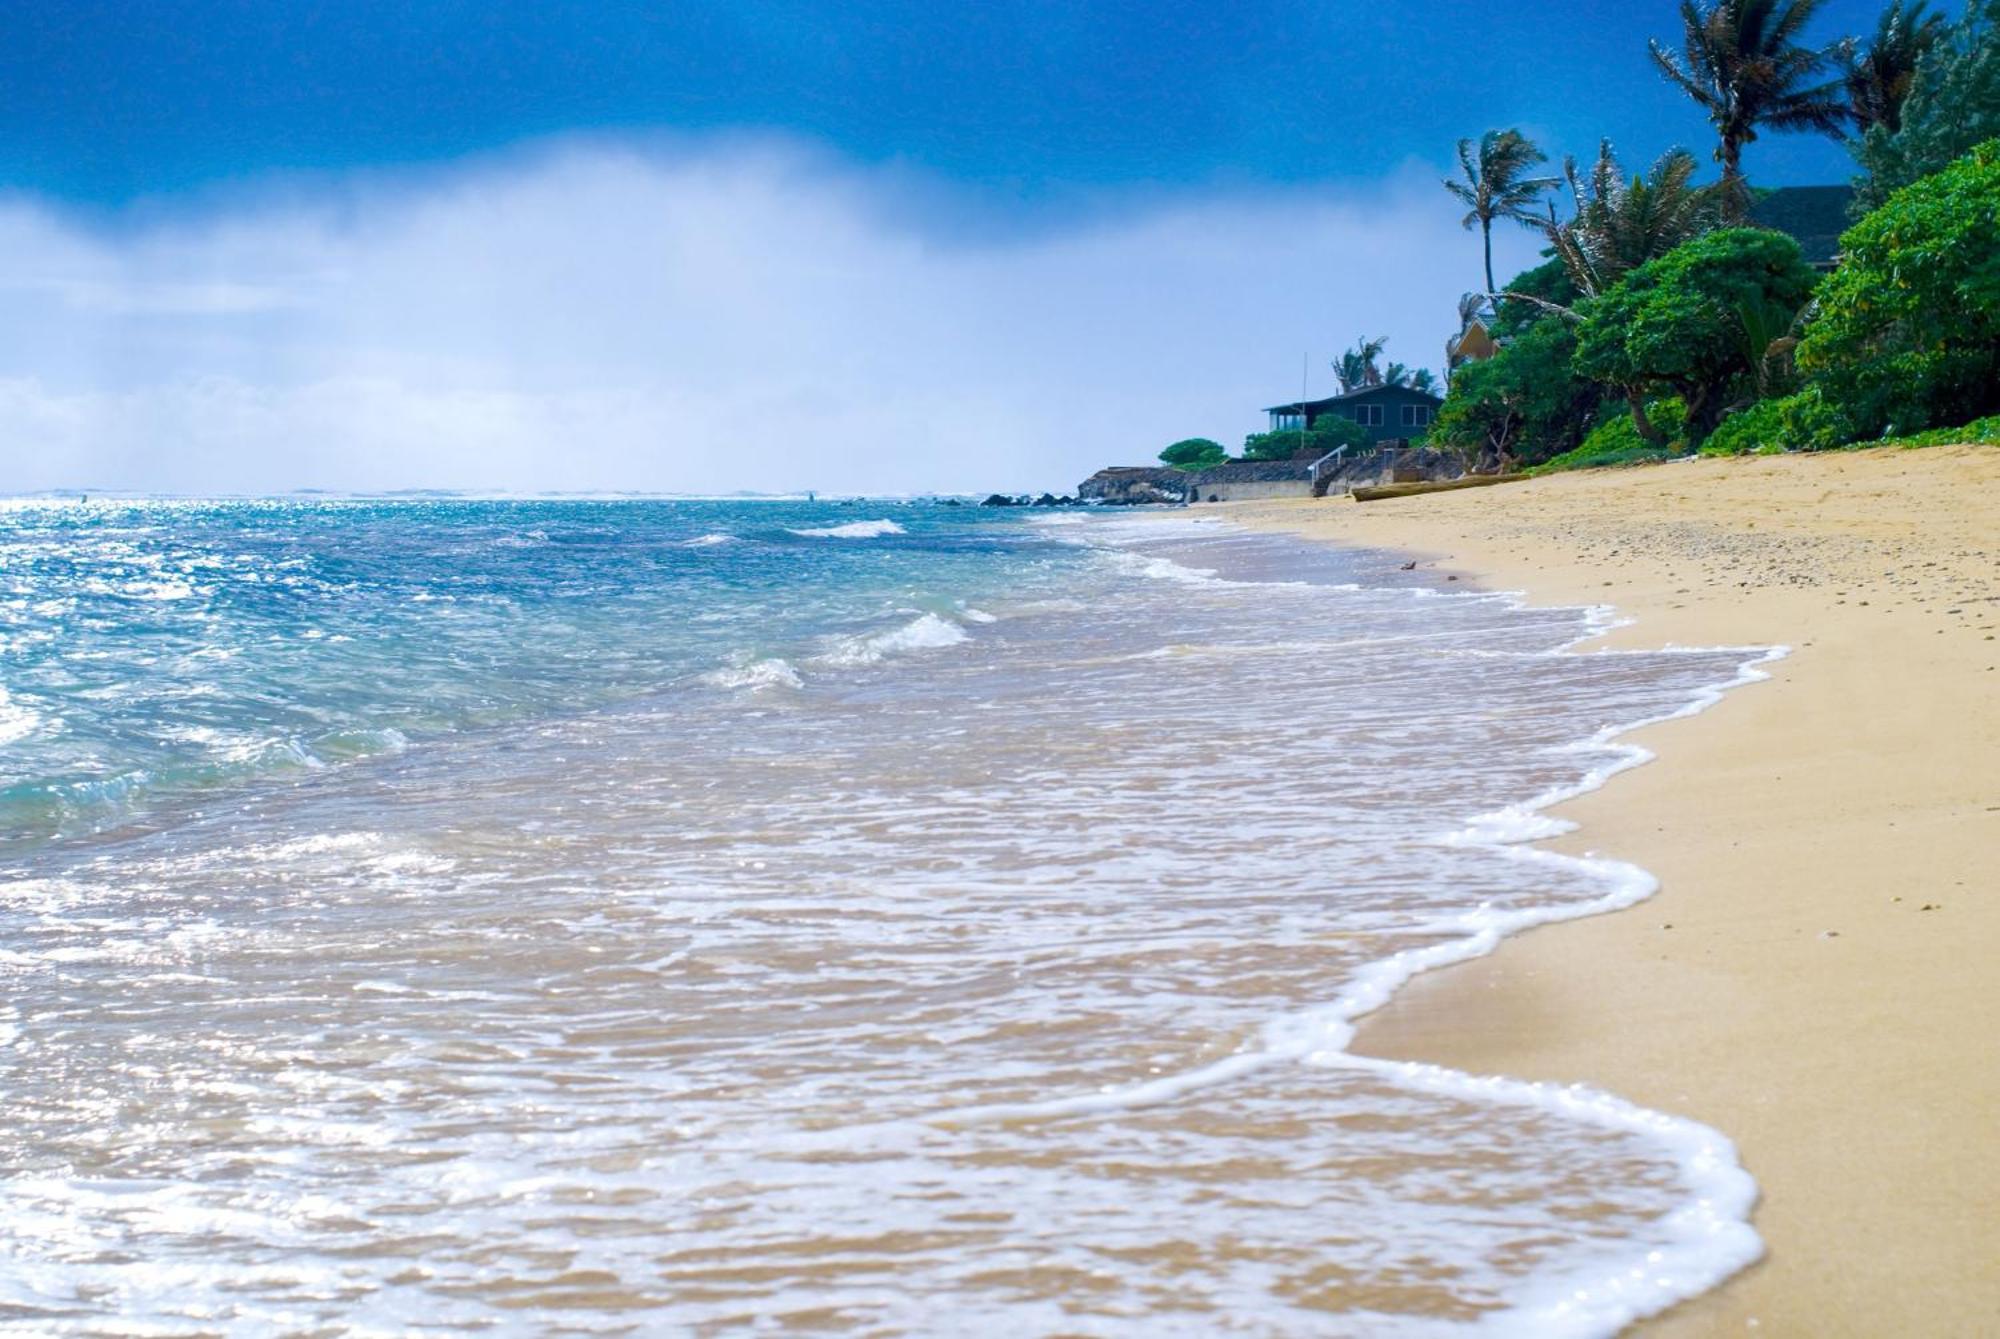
point(1659, 326)
point(1616, 440)
point(1907, 332)
point(1329, 433)
point(1523, 405)
point(1694, 323)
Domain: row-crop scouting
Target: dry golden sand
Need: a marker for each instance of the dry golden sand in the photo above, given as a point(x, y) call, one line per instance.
point(1819, 976)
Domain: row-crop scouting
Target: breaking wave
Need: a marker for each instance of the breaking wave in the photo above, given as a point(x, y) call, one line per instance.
point(854, 530)
point(771, 672)
point(927, 632)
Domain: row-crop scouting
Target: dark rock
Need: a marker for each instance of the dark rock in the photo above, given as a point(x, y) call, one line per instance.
point(1134, 485)
point(998, 500)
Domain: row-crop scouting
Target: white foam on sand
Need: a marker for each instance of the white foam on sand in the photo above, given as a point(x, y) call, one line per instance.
point(855, 530)
point(1705, 1241)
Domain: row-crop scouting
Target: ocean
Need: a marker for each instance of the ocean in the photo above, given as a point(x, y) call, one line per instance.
point(444, 915)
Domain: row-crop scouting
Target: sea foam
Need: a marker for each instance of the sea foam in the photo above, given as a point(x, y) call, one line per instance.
point(853, 530)
point(771, 672)
point(926, 632)
point(16, 721)
point(1083, 913)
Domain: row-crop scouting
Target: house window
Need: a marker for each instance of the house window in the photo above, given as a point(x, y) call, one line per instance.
point(1369, 415)
point(1416, 416)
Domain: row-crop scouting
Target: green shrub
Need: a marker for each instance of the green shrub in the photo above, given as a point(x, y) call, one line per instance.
point(1524, 404)
point(1549, 281)
point(1976, 433)
point(1329, 433)
point(1907, 331)
point(1677, 325)
point(1803, 422)
point(1194, 453)
point(1616, 440)
point(1760, 428)
point(1808, 422)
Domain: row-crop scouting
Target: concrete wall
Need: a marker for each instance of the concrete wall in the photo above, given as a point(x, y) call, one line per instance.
point(1255, 492)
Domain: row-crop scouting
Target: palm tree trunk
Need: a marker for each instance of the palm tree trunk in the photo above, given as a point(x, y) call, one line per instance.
point(1486, 227)
point(1735, 191)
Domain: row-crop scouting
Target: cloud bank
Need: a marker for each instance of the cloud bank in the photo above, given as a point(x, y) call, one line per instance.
point(750, 317)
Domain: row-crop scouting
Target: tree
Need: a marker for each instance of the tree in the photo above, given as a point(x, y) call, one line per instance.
point(1328, 433)
point(1536, 293)
point(1675, 325)
point(1906, 333)
point(1523, 405)
point(1495, 184)
point(1953, 105)
point(1744, 66)
point(1358, 369)
point(1194, 453)
point(1415, 378)
point(1878, 76)
point(1621, 223)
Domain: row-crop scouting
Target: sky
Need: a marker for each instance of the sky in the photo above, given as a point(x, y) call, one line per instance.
point(876, 246)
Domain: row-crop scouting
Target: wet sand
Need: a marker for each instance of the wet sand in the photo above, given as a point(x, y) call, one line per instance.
point(1819, 976)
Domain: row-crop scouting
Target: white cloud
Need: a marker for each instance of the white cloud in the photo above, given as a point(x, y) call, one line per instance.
point(747, 317)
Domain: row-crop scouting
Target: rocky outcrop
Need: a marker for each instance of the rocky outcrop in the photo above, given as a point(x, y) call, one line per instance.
point(1135, 485)
point(1045, 500)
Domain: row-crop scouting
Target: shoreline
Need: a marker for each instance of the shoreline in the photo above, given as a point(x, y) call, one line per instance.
point(1809, 978)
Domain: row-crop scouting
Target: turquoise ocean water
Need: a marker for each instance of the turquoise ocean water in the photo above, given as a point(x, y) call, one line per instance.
point(547, 917)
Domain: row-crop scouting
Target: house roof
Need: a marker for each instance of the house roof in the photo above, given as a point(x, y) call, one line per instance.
point(1813, 216)
point(1466, 336)
point(1365, 393)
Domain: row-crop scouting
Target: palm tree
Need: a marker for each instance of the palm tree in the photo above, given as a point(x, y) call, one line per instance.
point(1879, 76)
point(1358, 369)
point(1496, 184)
point(1743, 65)
point(1620, 223)
point(1414, 378)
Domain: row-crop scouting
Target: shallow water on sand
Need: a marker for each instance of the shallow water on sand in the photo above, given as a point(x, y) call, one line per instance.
point(636, 917)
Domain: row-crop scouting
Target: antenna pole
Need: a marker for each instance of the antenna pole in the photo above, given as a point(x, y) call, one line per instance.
point(1305, 362)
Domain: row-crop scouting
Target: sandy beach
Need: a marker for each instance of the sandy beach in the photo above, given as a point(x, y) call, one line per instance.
point(1816, 977)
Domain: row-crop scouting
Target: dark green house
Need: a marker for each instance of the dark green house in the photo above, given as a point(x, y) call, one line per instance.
point(1814, 216)
point(1385, 413)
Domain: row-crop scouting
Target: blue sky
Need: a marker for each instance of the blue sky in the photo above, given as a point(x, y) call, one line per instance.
point(110, 100)
point(876, 246)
